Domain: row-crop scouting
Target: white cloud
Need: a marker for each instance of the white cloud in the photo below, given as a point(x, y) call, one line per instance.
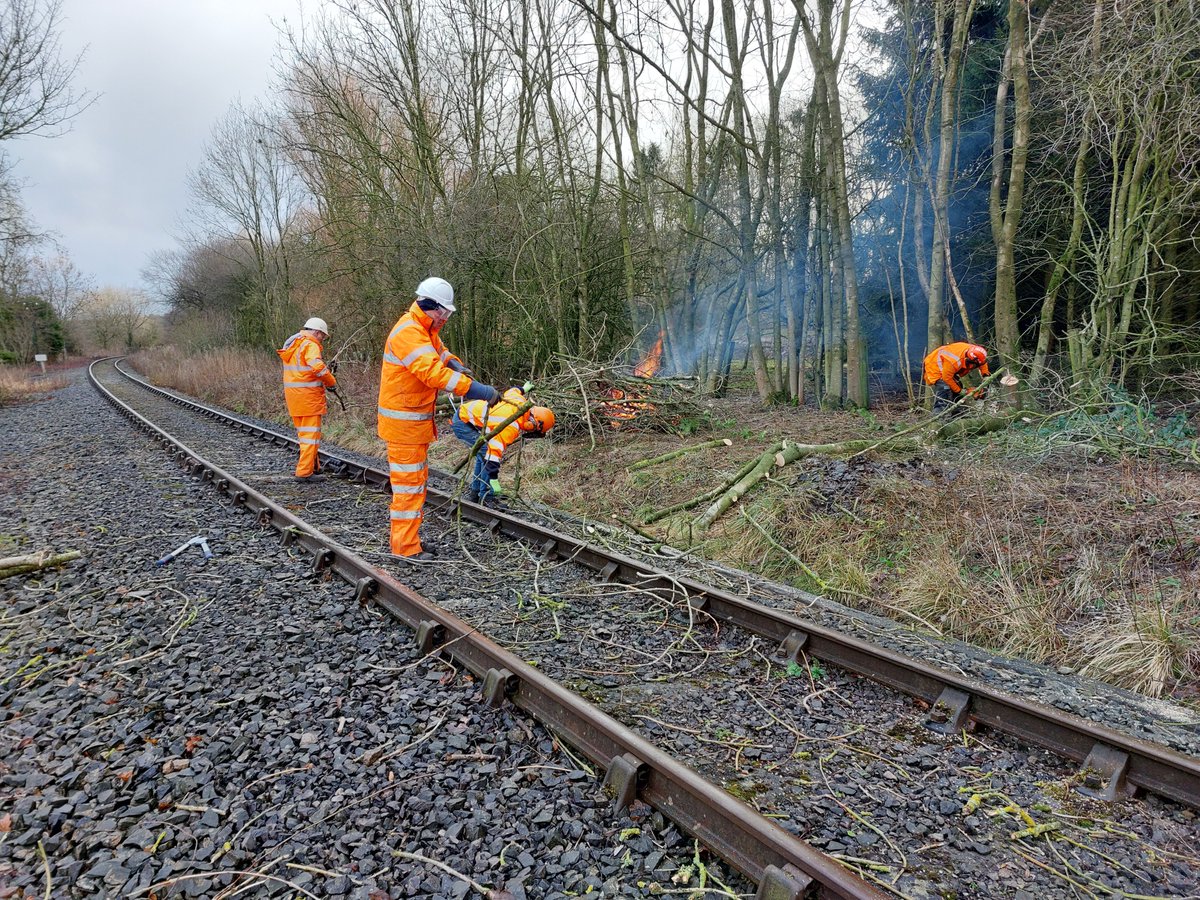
point(114, 188)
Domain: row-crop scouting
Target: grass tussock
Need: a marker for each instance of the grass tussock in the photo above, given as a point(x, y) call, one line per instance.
point(1143, 646)
point(19, 385)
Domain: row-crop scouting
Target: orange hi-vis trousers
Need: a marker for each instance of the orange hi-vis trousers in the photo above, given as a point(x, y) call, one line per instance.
point(308, 433)
point(408, 470)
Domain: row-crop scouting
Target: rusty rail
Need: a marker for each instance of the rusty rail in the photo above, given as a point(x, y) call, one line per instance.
point(1113, 763)
point(784, 867)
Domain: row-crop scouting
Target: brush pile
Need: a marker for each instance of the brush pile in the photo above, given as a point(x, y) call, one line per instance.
point(591, 398)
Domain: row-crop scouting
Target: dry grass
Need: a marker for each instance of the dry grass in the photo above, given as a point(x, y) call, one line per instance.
point(18, 385)
point(1142, 646)
point(1094, 565)
point(251, 382)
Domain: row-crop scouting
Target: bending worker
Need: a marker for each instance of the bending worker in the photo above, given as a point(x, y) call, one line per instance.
point(305, 378)
point(945, 368)
point(416, 365)
point(477, 418)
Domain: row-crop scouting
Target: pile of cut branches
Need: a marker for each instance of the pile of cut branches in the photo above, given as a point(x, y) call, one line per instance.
point(589, 398)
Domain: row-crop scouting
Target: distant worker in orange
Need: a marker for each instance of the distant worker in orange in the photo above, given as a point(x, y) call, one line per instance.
point(305, 380)
point(477, 418)
point(416, 365)
point(945, 368)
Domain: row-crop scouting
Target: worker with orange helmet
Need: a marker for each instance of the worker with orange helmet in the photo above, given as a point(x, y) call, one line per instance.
point(477, 418)
point(305, 379)
point(416, 365)
point(945, 368)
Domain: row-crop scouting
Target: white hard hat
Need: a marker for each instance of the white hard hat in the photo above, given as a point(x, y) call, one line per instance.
point(439, 291)
point(315, 324)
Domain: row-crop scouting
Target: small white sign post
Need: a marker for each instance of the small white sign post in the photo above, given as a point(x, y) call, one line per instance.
point(40, 359)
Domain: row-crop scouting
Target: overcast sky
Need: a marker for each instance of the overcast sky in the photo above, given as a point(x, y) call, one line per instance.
point(115, 188)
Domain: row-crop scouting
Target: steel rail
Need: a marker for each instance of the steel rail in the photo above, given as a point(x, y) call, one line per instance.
point(1113, 762)
point(784, 867)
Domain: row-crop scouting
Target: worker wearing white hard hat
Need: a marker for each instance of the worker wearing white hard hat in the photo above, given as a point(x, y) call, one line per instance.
point(305, 379)
point(416, 365)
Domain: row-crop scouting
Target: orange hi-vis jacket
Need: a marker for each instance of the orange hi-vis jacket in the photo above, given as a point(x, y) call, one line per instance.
point(474, 412)
point(414, 370)
point(305, 376)
point(948, 363)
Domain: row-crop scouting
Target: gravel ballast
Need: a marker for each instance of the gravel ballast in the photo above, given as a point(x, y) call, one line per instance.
point(819, 755)
point(164, 728)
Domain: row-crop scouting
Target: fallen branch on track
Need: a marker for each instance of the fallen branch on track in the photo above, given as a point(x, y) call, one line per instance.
point(32, 562)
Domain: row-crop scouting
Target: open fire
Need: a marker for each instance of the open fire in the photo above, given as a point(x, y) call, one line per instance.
point(620, 406)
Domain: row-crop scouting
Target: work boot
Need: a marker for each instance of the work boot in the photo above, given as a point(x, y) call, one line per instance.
point(308, 479)
point(423, 557)
point(471, 497)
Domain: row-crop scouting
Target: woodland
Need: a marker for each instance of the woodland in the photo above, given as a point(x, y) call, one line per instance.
point(822, 192)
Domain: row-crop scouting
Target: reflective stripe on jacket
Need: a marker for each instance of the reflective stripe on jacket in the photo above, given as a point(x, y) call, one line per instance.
point(305, 376)
point(473, 413)
point(948, 363)
point(414, 370)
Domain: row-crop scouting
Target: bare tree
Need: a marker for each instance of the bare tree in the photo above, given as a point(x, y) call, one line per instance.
point(246, 188)
point(36, 96)
point(58, 281)
point(117, 319)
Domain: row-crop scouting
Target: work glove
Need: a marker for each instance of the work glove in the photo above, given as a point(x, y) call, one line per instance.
point(332, 388)
point(979, 393)
point(455, 366)
point(480, 391)
point(497, 490)
point(527, 387)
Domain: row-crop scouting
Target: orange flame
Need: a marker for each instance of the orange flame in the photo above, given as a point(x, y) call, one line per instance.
point(621, 406)
point(652, 361)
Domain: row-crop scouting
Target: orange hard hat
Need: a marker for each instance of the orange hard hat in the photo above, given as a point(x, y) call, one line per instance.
point(543, 417)
point(976, 354)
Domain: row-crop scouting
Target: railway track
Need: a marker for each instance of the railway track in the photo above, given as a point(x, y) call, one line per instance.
point(1113, 763)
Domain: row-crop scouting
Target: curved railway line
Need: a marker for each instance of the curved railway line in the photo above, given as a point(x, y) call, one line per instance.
point(676, 661)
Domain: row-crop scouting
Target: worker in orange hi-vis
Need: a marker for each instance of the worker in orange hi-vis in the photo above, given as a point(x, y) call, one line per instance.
point(305, 379)
point(945, 368)
point(478, 418)
point(416, 365)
